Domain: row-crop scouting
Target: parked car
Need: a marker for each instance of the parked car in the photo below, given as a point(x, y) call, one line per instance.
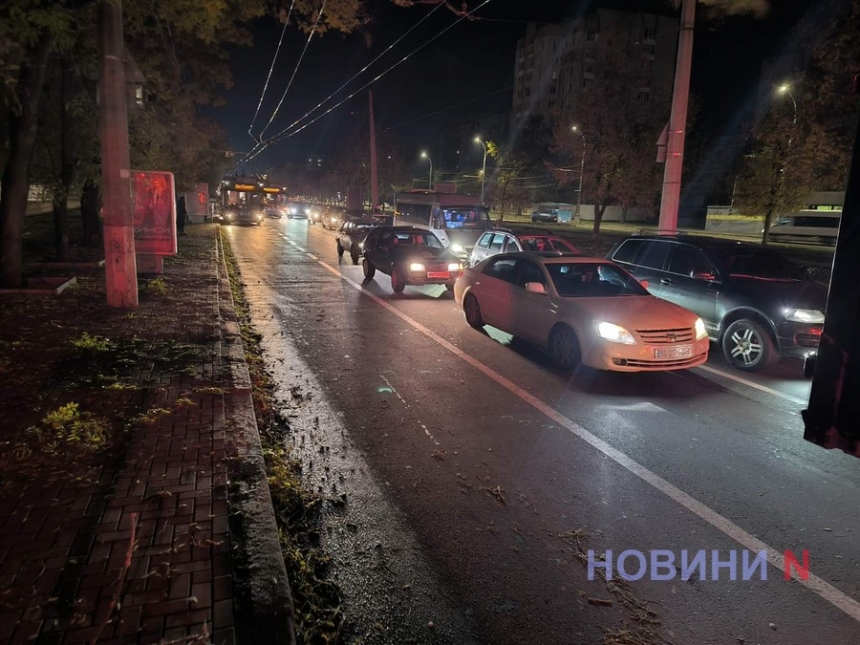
point(755, 303)
point(583, 311)
point(502, 240)
point(351, 236)
point(317, 215)
point(411, 256)
point(545, 215)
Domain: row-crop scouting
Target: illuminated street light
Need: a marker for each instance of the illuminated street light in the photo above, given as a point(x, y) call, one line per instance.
point(785, 88)
point(581, 173)
point(483, 166)
point(424, 155)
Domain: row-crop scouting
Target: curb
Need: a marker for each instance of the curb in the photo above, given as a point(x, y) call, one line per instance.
point(264, 601)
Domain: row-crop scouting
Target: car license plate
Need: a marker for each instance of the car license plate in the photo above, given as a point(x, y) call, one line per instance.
point(438, 274)
point(682, 351)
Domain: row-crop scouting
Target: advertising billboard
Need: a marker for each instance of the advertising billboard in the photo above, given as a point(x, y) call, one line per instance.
point(154, 207)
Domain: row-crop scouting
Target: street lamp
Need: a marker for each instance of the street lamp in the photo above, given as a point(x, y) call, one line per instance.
point(581, 172)
point(483, 166)
point(424, 155)
point(786, 89)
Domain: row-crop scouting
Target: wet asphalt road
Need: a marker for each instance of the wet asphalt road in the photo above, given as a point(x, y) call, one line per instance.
point(473, 474)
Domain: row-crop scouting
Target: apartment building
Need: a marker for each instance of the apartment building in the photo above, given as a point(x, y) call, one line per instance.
point(603, 54)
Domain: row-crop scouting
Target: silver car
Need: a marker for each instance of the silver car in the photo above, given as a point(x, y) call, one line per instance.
point(351, 236)
point(502, 240)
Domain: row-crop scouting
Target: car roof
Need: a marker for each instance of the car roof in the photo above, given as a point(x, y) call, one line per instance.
point(361, 220)
point(700, 241)
point(547, 257)
point(403, 229)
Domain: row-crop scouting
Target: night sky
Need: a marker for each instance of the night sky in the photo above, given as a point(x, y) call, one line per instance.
point(472, 62)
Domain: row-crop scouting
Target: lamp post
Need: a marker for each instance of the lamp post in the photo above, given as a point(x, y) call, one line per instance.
point(581, 173)
point(424, 155)
point(483, 166)
point(786, 89)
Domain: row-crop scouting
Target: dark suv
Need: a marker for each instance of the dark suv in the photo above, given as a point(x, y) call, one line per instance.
point(755, 303)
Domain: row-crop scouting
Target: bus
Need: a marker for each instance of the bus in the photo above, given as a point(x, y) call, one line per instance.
point(457, 220)
point(247, 199)
point(807, 226)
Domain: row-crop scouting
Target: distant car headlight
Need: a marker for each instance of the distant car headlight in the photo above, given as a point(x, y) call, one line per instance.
point(457, 248)
point(701, 332)
point(810, 316)
point(228, 215)
point(454, 266)
point(615, 333)
point(416, 266)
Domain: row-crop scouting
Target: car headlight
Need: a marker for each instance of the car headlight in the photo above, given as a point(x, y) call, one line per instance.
point(416, 266)
point(457, 248)
point(454, 266)
point(804, 315)
point(615, 333)
point(701, 332)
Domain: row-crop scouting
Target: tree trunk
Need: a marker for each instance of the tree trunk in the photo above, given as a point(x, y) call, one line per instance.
point(67, 164)
point(624, 210)
point(775, 189)
point(598, 217)
point(90, 204)
point(22, 138)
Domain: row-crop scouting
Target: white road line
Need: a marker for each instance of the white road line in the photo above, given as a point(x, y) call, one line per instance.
point(756, 386)
point(298, 248)
point(824, 589)
point(312, 256)
point(408, 407)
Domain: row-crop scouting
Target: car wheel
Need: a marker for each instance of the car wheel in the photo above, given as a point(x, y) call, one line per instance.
point(473, 312)
point(369, 269)
point(748, 346)
point(564, 347)
point(339, 250)
point(398, 281)
point(353, 253)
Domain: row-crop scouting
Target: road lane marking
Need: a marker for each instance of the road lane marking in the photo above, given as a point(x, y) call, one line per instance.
point(823, 589)
point(756, 386)
point(312, 256)
point(408, 407)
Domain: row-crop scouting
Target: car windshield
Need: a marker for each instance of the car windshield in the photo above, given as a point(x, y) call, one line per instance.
point(592, 280)
point(546, 243)
point(417, 238)
point(759, 264)
point(469, 218)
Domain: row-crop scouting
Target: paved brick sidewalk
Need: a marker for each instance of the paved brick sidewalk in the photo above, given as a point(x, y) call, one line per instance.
point(131, 543)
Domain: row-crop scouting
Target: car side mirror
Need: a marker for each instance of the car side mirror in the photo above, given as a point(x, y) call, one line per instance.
point(535, 287)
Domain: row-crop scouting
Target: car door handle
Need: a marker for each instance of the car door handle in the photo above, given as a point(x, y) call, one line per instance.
point(665, 280)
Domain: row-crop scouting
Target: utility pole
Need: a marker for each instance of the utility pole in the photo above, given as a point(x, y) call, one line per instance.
point(483, 166)
point(374, 173)
point(581, 173)
point(120, 261)
point(671, 197)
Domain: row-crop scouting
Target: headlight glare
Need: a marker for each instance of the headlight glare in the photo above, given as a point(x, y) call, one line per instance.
point(416, 266)
point(454, 266)
point(615, 333)
point(457, 248)
point(701, 332)
point(810, 316)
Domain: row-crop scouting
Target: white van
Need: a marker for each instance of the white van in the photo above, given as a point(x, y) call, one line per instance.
point(457, 220)
point(807, 226)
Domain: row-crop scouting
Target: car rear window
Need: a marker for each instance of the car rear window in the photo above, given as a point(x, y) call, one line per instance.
point(654, 254)
point(627, 251)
